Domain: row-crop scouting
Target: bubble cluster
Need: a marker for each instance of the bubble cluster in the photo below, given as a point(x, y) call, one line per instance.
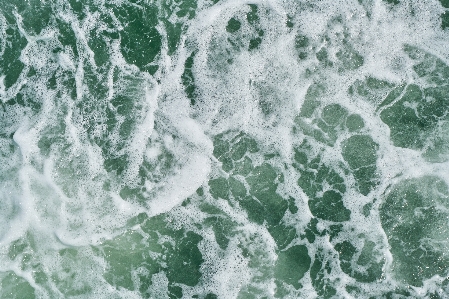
point(224, 149)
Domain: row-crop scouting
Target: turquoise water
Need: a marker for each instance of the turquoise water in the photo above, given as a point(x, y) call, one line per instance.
point(224, 149)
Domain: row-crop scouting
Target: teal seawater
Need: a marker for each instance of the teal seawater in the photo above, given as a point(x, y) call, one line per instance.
point(224, 149)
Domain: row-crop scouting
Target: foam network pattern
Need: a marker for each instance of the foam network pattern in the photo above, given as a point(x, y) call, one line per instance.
point(224, 149)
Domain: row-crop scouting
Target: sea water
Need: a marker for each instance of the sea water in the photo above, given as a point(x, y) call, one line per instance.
point(224, 149)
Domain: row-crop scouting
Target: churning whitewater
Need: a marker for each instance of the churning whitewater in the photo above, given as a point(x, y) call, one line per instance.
point(224, 149)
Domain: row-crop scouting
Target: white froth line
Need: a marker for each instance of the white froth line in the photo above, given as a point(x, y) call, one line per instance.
point(82, 47)
point(22, 221)
point(180, 124)
point(182, 185)
point(137, 147)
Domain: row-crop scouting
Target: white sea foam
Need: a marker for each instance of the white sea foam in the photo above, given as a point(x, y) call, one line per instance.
point(62, 191)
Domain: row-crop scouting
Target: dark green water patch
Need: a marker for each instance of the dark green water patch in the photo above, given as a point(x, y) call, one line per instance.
point(319, 273)
point(15, 287)
point(414, 216)
point(140, 40)
point(292, 264)
point(365, 264)
point(314, 176)
point(360, 152)
point(133, 258)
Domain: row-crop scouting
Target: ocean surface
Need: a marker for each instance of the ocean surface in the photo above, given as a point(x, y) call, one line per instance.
point(224, 149)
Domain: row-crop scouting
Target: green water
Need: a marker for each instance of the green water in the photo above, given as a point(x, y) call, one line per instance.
point(224, 149)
